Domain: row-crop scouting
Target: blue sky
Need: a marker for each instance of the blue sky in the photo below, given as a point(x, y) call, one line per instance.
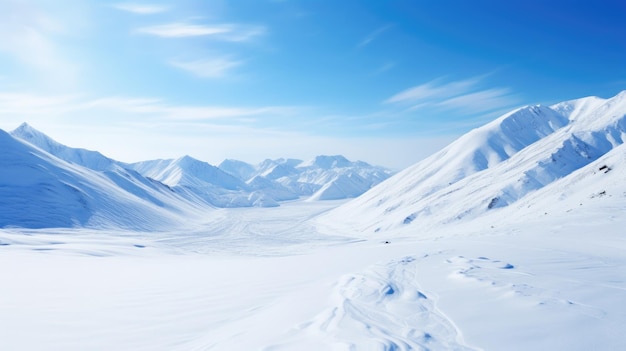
point(387, 82)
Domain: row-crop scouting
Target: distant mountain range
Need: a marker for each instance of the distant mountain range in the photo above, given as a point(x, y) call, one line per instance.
point(46, 184)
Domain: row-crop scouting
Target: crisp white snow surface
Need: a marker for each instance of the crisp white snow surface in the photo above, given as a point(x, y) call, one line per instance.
point(256, 279)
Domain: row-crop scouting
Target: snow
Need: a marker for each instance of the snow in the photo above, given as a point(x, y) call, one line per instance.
point(234, 183)
point(187, 171)
point(239, 169)
point(38, 190)
point(238, 184)
point(273, 188)
point(475, 175)
point(90, 159)
point(511, 238)
point(264, 280)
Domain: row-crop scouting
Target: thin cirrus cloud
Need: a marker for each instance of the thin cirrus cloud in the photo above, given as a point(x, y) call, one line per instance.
point(462, 95)
point(24, 104)
point(17, 105)
point(31, 37)
point(208, 68)
point(216, 67)
point(480, 101)
point(167, 112)
point(373, 36)
point(140, 9)
point(226, 32)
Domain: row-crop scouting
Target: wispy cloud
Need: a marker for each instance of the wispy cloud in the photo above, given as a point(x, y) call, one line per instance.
point(179, 30)
point(208, 68)
point(140, 9)
point(385, 67)
point(169, 112)
point(433, 90)
point(157, 128)
point(481, 100)
point(463, 95)
point(226, 32)
point(26, 104)
point(30, 36)
point(373, 36)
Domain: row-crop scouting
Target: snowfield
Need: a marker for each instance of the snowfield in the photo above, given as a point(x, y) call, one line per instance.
point(557, 283)
point(511, 238)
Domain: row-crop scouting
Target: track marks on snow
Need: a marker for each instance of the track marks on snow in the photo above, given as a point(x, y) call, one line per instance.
point(383, 308)
point(512, 282)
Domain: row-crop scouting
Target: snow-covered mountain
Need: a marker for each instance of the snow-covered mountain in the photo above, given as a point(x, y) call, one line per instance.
point(189, 172)
point(198, 179)
point(90, 159)
point(493, 167)
point(85, 188)
point(38, 189)
point(321, 178)
point(239, 169)
point(239, 184)
point(486, 173)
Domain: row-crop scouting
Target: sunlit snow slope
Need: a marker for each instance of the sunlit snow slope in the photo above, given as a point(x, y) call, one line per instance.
point(493, 167)
point(38, 190)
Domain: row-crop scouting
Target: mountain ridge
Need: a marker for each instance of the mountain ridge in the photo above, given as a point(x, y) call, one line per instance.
point(452, 186)
point(40, 190)
point(79, 187)
point(489, 169)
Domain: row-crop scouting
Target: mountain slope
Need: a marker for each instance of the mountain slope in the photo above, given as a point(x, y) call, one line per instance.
point(189, 172)
point(339, 178)
point(321, 178)
point(239, 169)
point(39, 190)
point(492, 167)
point(272, 188)
point(201, 181)
point(238, 184)
point(90, 159)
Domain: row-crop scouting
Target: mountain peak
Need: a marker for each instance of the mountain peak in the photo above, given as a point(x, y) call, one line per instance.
point(26, 130)
point(187, 158)
point(24, 125)
point(328, 162)
point(188, 162)
point(240, 169)
point(86, 158)
point(33, 136)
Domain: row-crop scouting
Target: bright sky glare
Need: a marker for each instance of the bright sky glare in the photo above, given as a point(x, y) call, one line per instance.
point(387, 82)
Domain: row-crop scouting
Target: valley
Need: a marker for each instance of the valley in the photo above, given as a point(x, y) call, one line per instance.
point(510, 238)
